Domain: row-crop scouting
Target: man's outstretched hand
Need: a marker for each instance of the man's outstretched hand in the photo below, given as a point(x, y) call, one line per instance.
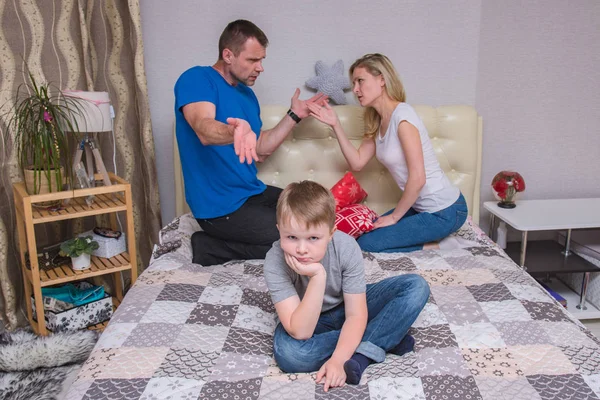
point(244, 140)
point(300, 107)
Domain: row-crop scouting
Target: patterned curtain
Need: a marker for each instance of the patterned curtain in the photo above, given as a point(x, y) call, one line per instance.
point(93, 45)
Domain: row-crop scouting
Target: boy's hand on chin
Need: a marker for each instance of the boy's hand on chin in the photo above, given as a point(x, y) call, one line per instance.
point(332, 374)
point(309, 270)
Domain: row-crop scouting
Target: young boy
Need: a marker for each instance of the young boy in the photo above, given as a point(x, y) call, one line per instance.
point(331, 321)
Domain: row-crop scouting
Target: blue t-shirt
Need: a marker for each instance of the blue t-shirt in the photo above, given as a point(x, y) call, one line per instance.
point(216, 183)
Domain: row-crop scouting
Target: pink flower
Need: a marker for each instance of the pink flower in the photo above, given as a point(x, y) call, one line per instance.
point(519, 183)
point(500, 187)
point(47, 116)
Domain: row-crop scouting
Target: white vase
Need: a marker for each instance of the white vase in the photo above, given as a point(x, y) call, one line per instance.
point(81, 263)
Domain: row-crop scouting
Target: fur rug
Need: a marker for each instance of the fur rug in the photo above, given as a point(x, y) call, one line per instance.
point(35, 367)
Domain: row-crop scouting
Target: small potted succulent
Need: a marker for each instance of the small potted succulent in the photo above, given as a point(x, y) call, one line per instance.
point(80, 250)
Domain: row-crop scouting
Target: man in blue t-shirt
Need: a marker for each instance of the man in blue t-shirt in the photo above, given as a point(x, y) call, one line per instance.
point(220, 140)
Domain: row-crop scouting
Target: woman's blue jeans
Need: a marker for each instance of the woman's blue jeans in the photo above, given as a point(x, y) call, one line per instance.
point(393, 303)
point(414, 229)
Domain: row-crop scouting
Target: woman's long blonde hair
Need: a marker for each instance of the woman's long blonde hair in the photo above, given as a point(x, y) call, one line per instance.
point(377, 64)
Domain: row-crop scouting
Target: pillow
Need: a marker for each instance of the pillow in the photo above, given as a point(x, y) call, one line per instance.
point(330, 81)
point(355, 220)
point(347, 191)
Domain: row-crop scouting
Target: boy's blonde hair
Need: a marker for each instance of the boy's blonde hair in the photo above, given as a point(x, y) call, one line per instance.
point(377, 64)
point(307, 202)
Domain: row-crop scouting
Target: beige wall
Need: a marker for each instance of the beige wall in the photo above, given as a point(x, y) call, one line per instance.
point(530, 70)
point(539, 94)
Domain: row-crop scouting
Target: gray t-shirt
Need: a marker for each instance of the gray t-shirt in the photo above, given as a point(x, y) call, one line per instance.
point(343, 263)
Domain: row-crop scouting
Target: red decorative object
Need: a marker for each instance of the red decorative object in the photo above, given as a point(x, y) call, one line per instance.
point(355, 219)
point(347, 191)
point(506, 185)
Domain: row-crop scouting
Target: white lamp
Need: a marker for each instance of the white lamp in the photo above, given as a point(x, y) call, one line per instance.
point(94, 115)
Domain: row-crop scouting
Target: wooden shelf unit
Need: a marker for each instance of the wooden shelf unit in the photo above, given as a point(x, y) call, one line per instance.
point(107, 200)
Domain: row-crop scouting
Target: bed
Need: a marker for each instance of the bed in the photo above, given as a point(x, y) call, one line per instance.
point(488, 331)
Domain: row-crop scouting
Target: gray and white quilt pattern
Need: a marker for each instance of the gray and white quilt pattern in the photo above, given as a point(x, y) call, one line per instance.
point(488, 332)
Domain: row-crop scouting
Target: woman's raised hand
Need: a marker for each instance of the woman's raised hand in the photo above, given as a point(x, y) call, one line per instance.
point(301, 107)
point(324, 113)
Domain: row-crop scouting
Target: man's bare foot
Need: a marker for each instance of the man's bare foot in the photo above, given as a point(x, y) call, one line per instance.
point(431, 246)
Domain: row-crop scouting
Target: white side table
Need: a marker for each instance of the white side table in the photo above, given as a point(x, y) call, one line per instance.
point(545, 215)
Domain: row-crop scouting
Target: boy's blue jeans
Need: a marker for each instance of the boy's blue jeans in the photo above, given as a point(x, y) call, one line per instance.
point(414, 229)
point(393, 303)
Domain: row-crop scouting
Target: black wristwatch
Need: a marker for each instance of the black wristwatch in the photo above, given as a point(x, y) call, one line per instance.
point(294, 116)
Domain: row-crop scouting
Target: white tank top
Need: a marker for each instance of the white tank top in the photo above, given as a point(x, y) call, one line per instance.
point(438, 192)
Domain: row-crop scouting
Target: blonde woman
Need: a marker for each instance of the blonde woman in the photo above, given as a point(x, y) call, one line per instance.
point(431, 207)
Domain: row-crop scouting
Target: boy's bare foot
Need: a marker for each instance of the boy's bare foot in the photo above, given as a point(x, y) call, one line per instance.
point(431, 246)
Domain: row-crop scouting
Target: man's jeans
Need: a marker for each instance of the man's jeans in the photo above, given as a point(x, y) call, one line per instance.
point(393, 304)
point(414, 229)
point(247, 233)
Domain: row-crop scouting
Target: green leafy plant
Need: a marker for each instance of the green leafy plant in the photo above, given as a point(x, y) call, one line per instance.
point(78, 246)
point(39, 120)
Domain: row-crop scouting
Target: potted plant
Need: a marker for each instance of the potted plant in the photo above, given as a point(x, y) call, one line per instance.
point(80, 250)
point(39, 120)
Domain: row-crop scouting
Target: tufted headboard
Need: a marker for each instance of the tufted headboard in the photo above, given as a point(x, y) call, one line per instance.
point(311, 152)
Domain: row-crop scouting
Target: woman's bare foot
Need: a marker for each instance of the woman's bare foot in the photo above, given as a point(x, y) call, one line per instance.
point(431, 246)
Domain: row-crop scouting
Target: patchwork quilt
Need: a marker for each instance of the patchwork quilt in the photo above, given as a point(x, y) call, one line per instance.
point(489, 331)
